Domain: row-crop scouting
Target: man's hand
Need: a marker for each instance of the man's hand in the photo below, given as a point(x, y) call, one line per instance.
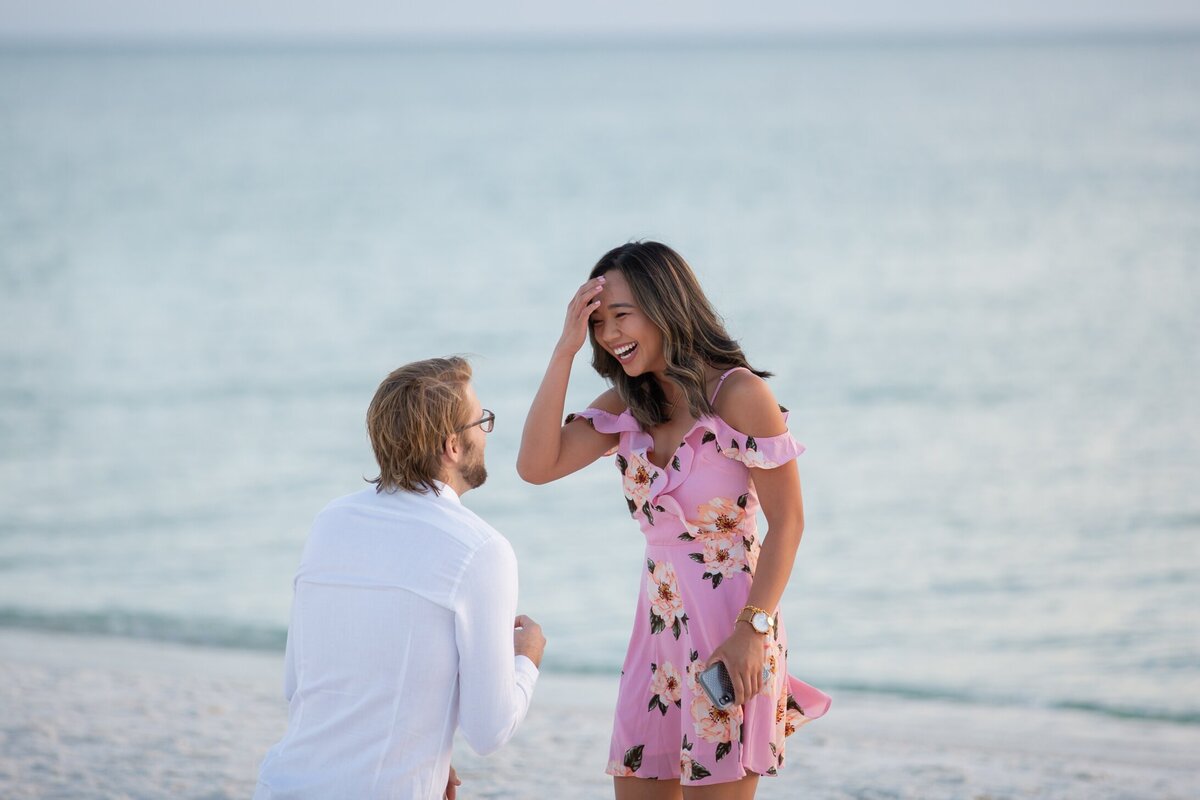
point(528, 640)
point(452, 784)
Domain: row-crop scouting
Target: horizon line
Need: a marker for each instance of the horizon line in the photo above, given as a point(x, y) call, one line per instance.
point(607, 39)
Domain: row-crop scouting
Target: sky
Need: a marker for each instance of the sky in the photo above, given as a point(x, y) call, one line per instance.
point(355, 19)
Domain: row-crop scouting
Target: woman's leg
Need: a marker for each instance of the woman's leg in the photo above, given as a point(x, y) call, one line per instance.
point(734, 790)
point(644, 789)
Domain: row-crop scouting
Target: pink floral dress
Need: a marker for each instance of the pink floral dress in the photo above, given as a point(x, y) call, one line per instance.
point(698, 516)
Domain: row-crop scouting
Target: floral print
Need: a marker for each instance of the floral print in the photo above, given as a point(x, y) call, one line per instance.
point(755, 459)
point(721, 518)
point(666, 602)
point(729, 547)
point(789, 717)
point(711, 723)
point(698, 515)
point(795, 717)
point(638, 476)
point(721, 559)
point(714, 724)
point(771, 660)
point(752, 551)
point(690, 770)
point(749, 454)
point(628, 766)
point(666, 686)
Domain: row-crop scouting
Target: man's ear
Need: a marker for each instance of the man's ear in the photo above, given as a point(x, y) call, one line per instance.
point(452, 448)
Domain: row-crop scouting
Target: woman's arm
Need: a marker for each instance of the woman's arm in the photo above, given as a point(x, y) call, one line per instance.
point(749, 406)
point(549, 449)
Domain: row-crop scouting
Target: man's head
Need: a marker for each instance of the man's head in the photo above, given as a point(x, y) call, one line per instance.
point(424, 424)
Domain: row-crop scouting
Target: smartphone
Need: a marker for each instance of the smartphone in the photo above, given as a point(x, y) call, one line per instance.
point(716, 684)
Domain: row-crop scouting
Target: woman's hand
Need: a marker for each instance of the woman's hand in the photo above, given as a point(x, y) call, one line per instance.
point(452, 784)
point(580, 309)
point(743, 656)
point(550, 448)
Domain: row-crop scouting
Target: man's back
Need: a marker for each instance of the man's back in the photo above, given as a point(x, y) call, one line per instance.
point(402, 615)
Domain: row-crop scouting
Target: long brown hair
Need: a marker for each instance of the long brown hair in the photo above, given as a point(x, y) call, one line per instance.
point(694, 336)
point(414, 411)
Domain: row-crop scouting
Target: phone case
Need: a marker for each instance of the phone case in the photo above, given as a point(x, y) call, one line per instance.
point(716, 684)
point(719, 688)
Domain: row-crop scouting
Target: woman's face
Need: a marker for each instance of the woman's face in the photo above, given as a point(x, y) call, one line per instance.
point(621, 328)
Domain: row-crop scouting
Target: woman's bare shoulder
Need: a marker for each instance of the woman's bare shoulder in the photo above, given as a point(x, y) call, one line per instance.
point(609, 401)
point(747, 404)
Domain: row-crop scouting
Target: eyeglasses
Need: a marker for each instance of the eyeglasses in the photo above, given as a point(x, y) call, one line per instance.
point(487, 423)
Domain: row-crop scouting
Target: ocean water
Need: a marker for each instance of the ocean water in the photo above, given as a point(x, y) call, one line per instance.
point(974, 267)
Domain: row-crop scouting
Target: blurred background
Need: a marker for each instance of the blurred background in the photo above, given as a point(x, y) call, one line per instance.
point(966, 240)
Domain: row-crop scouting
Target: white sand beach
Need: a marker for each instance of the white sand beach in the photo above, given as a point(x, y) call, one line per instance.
point(970, 261)
point(93, 717)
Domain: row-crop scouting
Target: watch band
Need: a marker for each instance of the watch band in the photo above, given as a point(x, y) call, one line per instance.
point(747, 615)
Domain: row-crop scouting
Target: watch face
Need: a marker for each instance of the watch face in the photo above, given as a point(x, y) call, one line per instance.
point(760, 622)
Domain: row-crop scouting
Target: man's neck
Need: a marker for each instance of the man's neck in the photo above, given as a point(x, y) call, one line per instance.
point(455, 481)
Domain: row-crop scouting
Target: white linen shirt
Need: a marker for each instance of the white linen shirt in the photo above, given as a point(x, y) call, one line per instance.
point(401, 631)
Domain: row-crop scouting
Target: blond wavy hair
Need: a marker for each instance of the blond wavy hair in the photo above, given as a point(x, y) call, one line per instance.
point(414, 411)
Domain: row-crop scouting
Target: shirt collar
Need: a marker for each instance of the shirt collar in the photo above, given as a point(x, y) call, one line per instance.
point(447, 491)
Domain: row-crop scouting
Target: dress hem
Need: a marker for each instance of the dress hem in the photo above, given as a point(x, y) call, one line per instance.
point(750, 771)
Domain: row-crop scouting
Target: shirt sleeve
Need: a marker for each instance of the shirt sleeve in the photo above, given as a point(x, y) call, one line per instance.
point(495, 685)
point(289, 670)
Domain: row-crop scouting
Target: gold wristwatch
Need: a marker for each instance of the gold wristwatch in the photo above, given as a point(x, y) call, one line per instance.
point(759, 619)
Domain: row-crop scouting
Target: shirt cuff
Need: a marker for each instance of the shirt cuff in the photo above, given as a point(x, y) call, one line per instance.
point(524, 666)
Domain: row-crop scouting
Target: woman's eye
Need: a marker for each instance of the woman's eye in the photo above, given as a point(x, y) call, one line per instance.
point(622, 314)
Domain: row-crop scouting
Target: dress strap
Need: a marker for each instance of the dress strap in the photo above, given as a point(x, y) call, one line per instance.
point(712, 400)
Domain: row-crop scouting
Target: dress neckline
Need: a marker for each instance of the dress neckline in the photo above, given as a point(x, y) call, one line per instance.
point(675, 452)
point(683, 438)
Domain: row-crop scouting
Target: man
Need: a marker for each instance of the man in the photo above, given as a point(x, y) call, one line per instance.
point(402, 625)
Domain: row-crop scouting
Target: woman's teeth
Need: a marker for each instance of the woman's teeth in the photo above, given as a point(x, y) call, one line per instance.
point(625, 352)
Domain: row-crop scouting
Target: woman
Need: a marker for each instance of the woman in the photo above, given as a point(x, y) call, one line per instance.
point(701, 445)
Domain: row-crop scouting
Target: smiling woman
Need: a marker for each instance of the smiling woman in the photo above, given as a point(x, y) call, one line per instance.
point(653, 317)
point(702, 447)
point(619, 326)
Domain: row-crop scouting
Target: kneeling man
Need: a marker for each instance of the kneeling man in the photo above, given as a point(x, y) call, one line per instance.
point(404, 623)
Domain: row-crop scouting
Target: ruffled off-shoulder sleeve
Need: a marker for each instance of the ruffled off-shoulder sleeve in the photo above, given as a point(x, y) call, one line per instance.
point(606, 422)
point(763, 452)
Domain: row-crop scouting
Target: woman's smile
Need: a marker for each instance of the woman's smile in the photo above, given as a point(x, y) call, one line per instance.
point(618, 316)
point(624, 353)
